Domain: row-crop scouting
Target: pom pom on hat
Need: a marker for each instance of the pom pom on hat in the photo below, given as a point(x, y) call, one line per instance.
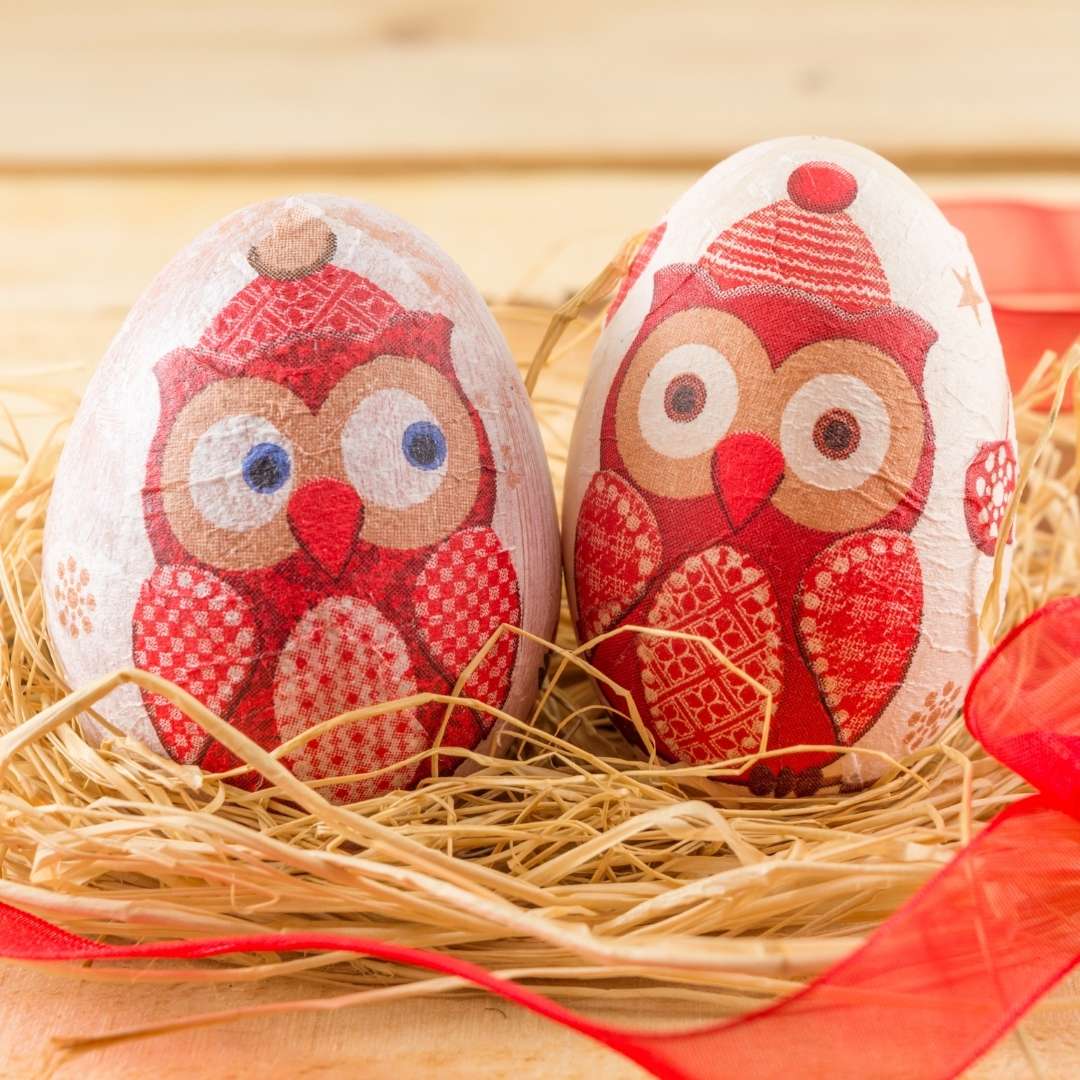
point(822, 188)
point(298, 244)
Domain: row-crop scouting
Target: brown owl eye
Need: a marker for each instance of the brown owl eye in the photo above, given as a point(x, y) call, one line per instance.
point(837, 434)
point(684, 398)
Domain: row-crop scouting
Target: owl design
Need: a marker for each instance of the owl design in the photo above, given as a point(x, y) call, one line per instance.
point(765, 451)
point(319, 497)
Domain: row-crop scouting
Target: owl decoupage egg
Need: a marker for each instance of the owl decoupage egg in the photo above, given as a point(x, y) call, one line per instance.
point(796, 442)
point(305, 479)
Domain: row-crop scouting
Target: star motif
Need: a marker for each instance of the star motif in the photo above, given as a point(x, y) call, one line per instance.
point(513, 477)
point(969, 295)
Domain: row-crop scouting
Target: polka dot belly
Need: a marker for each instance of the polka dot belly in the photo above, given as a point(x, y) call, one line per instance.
point(345, 655)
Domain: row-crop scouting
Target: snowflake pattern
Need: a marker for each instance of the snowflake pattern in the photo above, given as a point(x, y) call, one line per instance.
point(75, 602)
point(925, 723)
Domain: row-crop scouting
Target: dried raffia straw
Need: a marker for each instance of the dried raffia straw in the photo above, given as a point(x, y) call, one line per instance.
point(569, 860)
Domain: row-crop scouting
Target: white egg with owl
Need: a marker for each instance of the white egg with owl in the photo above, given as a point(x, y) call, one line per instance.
point(305, 479)
point(796, 443)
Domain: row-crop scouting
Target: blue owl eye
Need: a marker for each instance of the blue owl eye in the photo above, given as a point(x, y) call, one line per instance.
point(266, 468)
point(424, 445)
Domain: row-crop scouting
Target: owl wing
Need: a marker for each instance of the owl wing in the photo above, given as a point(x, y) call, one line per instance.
point(857, 618)
point(465, 591)
point(192, 628)
point(617, 549)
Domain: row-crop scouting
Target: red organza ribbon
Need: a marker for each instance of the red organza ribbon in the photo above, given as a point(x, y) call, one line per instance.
point(939, 982)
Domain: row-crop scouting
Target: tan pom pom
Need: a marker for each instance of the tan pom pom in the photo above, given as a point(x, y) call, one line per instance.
point(297, 245)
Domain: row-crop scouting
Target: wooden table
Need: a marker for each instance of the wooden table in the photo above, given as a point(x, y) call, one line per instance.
point(530, 141)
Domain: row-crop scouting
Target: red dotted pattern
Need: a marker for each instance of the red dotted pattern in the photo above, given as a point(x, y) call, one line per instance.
point(857, 620)
point(198, 632)
point(344, 655)
point(466, 590)
point(988, 488)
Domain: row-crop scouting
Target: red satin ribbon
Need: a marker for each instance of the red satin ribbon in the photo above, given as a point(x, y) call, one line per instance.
point(932, 989)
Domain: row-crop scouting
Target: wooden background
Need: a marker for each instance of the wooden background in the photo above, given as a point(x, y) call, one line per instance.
point(530, 140)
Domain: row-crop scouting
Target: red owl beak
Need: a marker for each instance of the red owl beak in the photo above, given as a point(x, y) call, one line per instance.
point(746, 471)
point(325, 516)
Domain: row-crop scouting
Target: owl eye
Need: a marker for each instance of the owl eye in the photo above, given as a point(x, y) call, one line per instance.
point(835, 432)
point(395, 450)
point(267, 468)
point(688, 401)
point(424, 445)
point(240, 473)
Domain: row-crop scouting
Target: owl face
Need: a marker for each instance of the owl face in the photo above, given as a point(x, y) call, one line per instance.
point(320, 451)
point(756, 396)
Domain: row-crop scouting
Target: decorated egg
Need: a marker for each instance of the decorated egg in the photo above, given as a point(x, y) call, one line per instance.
point(305, 479)
point(796, 444)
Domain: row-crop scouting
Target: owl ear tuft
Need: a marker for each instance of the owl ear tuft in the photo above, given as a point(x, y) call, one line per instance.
point(182, 373)
point(425, 335)
point(904, 335)
point(682, 280)
point(298, 244)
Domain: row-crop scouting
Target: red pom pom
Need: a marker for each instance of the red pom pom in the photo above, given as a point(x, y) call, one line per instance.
point(822, 188)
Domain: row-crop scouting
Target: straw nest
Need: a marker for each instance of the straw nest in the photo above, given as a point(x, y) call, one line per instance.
point(569, 861)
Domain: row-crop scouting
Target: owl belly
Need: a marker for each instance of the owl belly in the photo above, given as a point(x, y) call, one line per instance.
point(342, 655)
point(700, 708)
point(387, 632)
point(705, 705)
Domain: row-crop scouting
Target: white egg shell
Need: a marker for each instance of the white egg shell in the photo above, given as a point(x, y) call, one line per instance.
point(796, 442)
point(305, 478)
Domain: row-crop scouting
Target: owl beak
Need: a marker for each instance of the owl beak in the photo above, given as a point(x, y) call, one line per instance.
point(325, 516)
point(746, 471)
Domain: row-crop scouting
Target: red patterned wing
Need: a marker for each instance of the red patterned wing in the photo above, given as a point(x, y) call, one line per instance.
point(198, 632)
point(467, 589)
point(857, 618)
point(617, 550)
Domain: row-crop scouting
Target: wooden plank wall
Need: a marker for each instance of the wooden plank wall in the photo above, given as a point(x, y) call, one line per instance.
point(424, 82)
point(530, 140)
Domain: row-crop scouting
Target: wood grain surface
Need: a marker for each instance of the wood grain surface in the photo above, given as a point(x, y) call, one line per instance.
point(530, 141)
point(467, 1038)
point(615, 81)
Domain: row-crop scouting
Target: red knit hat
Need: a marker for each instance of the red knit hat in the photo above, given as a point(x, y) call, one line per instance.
point(805, 242)
point(297, 292)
